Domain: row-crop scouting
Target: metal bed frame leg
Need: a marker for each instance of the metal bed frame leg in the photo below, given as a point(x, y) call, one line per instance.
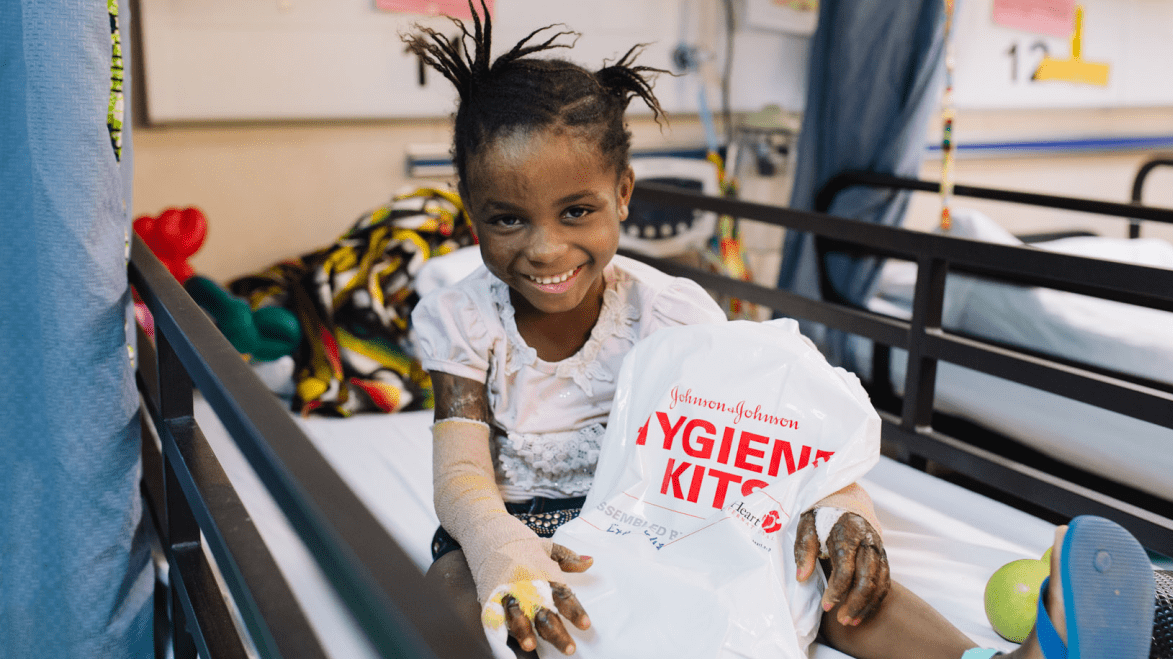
point(921, 371)
point(183, 534)
point(162, 615)
point(182, 530)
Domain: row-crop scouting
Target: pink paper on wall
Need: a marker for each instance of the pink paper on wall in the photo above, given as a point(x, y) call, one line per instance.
point(453, 8)
point(1055, 17)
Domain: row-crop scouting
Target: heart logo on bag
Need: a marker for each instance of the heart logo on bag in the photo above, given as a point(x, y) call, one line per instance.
point(770, 523)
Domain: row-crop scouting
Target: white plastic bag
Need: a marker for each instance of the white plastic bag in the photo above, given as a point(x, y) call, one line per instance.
point(719, 437)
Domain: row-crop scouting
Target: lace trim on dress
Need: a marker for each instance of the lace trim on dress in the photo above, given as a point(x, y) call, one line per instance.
point(561, 461)
point(519, 354)
point(616, 319)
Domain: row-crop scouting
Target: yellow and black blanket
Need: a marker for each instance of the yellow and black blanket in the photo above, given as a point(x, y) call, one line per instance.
point(353, 300)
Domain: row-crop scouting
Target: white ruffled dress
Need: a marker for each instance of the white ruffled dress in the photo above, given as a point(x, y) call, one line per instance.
point(549, 417)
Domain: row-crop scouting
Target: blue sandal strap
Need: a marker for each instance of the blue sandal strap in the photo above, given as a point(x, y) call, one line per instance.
point(1049, 641)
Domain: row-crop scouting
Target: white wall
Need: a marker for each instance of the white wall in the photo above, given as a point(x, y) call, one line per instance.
point(272, 191)
point(1105, 175)
point(278, 188)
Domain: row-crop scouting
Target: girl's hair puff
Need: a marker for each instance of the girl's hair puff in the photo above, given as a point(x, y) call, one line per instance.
point(518, 92)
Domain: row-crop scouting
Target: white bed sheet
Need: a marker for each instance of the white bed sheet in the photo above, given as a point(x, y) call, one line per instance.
point(1124, 337)
point(943, 541)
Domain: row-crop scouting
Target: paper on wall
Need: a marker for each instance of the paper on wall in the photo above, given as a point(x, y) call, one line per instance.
point(453, 8)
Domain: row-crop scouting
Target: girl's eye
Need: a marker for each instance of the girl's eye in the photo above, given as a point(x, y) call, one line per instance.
point(576, 212)
point(505, 221)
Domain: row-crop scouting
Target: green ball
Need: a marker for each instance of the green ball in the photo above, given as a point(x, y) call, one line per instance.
point(1012, 597)
point(1046, 556)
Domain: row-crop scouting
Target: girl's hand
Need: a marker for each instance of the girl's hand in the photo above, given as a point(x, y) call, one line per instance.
point(547, 623)
point(858, 565)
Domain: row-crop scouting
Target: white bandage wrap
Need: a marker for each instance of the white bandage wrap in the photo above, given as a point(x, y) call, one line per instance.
point(530, 595)
point(504, 555)
point(851, 499)
point(825, 518)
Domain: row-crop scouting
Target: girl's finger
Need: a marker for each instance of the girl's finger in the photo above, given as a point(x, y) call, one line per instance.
point(518, 624)
point(570, 561)
point(842, 574)
point(806, 545)
point(550, 627)
point(884, 582)
point(569, 606)
point(866, 588)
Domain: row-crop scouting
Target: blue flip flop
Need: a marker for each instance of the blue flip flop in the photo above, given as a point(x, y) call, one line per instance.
point(1107, 595)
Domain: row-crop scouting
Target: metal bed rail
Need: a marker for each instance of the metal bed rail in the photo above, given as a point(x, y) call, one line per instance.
point(927, 343)
point(1138, 188)
point(205, 529)
point(1133, 212)
point(824, 245)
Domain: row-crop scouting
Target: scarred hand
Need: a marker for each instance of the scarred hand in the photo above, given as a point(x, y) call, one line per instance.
point(547, 623)
point(859, 575)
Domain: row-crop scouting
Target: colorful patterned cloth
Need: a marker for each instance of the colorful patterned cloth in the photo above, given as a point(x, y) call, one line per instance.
point(354, 299)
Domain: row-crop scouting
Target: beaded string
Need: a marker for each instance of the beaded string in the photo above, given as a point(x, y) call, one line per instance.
point(947, 114)
point(726, 252)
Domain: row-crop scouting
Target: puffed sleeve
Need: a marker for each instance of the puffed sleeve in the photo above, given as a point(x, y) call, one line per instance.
point(682, 302)
point(451, 335)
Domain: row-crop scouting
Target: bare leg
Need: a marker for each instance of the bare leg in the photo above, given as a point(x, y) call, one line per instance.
point(451, 575)
point(904, 626)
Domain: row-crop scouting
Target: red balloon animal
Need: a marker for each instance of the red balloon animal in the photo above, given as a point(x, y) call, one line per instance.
point(174, 235)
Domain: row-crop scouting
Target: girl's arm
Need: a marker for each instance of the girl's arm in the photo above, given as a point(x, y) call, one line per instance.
point(459, 398)
point(511, 566)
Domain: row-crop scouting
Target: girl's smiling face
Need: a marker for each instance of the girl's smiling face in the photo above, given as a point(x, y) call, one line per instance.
point(546, 208)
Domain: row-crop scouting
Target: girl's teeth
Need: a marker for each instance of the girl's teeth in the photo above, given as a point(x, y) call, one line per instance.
point(553, 280)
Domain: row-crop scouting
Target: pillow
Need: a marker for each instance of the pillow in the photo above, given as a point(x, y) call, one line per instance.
point(975, 225)
point(898, 278)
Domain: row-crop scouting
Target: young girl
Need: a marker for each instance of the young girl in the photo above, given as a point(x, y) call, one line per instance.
point(524, 352)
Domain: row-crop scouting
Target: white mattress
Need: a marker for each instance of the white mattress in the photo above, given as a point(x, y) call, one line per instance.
point(943, 541)
point(1123, 337)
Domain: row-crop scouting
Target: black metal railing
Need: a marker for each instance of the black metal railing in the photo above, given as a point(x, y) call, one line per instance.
point(1138, 188)
point(927, 343)
point(198, 512)
point(845, 180)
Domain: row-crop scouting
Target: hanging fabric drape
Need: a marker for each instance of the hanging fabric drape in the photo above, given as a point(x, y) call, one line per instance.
point(75, 572)
point(874, 83)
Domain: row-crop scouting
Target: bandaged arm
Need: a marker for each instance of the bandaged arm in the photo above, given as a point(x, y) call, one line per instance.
point(504, 555)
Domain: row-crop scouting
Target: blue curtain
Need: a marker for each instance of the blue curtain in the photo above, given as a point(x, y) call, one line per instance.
point(874, 83)
point(75, 574)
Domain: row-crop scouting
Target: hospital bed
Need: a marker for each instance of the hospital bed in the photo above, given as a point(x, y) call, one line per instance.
point(291, 537)
point(1132, 344)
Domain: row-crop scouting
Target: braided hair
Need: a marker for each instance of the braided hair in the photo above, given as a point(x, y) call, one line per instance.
point(519, 93)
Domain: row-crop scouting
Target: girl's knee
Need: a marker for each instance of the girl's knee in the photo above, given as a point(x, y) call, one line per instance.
point(451, 577)
point(452, 571)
